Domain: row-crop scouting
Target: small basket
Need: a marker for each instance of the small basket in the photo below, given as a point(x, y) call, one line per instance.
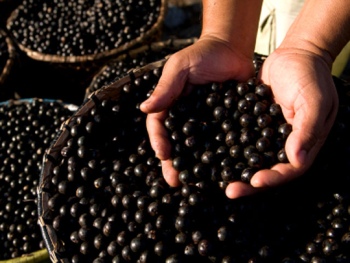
point(135, 58)
point(152, 33)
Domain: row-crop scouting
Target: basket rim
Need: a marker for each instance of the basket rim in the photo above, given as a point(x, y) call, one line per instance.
point(92, 57)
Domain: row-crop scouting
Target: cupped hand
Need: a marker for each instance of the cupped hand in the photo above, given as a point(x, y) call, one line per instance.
point(302, 84)
point(210, 59)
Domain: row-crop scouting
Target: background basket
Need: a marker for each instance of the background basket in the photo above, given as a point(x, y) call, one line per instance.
point(153, 32)
point(66, 77)
point(111, 184)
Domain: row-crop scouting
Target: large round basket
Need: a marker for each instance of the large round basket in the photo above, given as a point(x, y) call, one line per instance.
point(102, 195)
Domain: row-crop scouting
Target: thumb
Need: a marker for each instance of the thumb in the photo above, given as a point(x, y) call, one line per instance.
point(304, 142)
point(300, 152)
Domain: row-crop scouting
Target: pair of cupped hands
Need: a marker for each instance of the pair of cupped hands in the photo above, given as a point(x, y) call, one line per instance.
point(301, 82)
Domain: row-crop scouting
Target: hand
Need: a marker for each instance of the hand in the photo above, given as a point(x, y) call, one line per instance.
point(209, 59)
point(302, 84)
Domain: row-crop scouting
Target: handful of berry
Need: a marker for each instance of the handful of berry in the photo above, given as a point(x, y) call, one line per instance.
point(224, 132)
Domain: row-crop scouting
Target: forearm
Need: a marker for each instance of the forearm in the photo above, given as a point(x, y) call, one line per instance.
point(234, 21)
point(322, 27)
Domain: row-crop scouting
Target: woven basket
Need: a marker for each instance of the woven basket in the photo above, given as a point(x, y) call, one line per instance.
point(152, 33)
point(6, 70)
point(142, 55)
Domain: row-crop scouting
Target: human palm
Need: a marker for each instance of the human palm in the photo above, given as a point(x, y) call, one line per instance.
point(303, 85)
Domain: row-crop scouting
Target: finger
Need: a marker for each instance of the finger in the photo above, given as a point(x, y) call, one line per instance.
point(171, 176)
point(158, 135)
point(279, 174)
point(301, 148)
point(240, 189)
point(169, 87)
point(312, 122)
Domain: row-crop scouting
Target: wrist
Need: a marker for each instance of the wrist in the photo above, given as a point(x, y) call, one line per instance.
point(232, 21)
point(303, 46)
point(322, 28)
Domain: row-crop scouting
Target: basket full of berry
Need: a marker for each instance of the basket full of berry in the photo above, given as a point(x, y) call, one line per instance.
point(83, 31)
point(102, 196)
